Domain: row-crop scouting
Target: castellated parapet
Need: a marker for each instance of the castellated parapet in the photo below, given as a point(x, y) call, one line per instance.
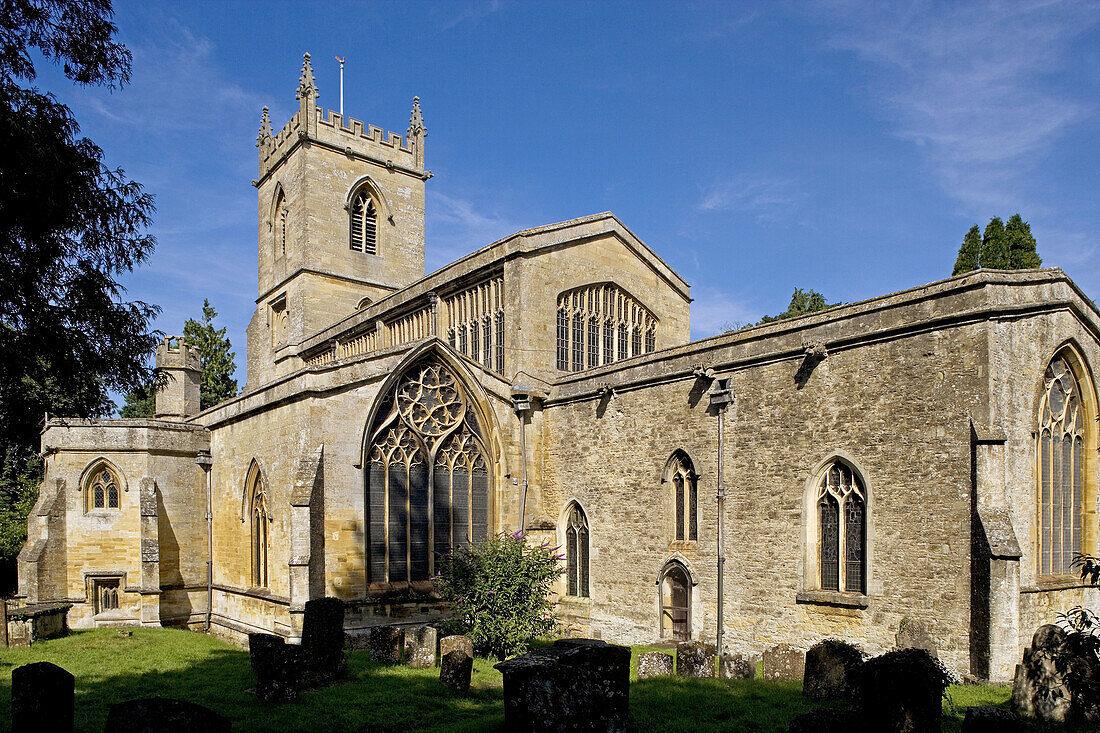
point(180, 397)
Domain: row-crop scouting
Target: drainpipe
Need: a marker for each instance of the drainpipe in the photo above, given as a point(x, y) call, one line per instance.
point(521, 403)
point(720, 398)
point(204, 461)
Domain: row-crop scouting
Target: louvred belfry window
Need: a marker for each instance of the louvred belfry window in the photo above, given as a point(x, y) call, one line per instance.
point(842, 507)
point(428, 480)
point(1061, 470)
point(364, 224)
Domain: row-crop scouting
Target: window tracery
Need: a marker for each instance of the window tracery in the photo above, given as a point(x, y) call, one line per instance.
point(1061, 474)
point(260, 518)
point(841, 504)
point(364, 224)
point(475, 319)
point(623, 321)
point(428, 478)
point(576, 551)
point(685, 489)
point(103, 488)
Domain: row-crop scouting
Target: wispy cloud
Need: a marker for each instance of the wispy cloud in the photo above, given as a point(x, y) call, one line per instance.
point(970, 83)
point(714, 311)
point(452, 14)
point(770, 200)
point(459, 226)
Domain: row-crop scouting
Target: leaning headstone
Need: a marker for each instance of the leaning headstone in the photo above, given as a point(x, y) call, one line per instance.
point(694, 659)
point(987, 719)
point(420, 646)
point(323, 640)
point(913, 634)
point(654, 664)
point(164, 715)
point(826, 721)
point(456, 642)
point(277, 666)
point(1039, 689)
point(42, 698)
point(831, 668)
point(784, 662)
point(737, 666)
point(455, 668)
point(385, 644)
point(577, 684)
point(902, 691)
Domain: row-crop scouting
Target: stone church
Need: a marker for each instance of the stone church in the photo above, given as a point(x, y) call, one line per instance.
point(922, 463)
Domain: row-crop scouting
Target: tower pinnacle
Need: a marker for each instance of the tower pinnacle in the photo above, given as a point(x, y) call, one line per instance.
point(417, 132)
point(264, 138)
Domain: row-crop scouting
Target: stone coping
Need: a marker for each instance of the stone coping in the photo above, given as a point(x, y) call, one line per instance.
point(35, 610)
point(832, 598)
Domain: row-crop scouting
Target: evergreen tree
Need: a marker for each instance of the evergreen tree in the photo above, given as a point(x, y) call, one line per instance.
point(994, 252)
point(139, 403)
point(1021, 245)
point(968, 252)
point(68, 227)
point(802, 302)
point(216, 383)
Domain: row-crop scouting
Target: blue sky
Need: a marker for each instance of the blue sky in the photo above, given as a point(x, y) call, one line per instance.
point(840, 146)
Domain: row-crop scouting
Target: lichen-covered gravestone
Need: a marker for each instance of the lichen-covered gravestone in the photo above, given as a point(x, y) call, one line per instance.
point(695, 659)
point(831, 669)
point(577, 684)
point(385, 644)
point(456, 641)
point(42, 698)
point(420, 645)
point(903, 691)
point(164, 715)
point(654, 664)
point(1039, 689)
point(914, 634)
point(277, 666)
point(784, 662)
point(323, 640)
point(737, 666)
point(455, 668)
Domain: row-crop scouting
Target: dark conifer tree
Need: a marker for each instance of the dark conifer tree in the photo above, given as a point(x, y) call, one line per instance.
point(968, 252)
point(994, 252)
point(1021, 245)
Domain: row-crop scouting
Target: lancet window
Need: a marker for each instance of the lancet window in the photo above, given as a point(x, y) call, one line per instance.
point(576, 551)
point(842, 534)
point(1061, 469)
point(364, 224)
point(685, 490)
point(429, 476)
point(587, 312)
point(259, 515)
point(279, 224)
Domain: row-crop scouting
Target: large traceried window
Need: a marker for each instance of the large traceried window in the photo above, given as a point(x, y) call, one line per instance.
point(364, 224)
point(594, 319)
point(576, 551)
point(685, 491)
point(842, 534)
point(259, 518)
point(102, 488)
point(428, 479)
point(1061, 472)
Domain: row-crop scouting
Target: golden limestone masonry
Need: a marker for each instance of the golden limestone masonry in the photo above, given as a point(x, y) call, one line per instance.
point(921, 465)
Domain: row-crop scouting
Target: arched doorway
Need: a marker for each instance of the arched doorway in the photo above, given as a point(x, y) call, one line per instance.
point(676, 603)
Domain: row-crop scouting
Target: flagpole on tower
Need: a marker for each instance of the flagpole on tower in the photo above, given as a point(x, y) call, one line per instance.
point(341, 85)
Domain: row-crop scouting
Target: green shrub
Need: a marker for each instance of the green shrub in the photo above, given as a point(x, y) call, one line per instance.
point(499, 590)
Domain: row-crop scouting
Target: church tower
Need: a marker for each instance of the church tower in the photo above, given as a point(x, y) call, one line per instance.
point(341, 224)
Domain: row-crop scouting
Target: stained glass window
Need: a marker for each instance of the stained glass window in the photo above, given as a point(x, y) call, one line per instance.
point(842, 530)
point(1061, 474)
point(576, 552)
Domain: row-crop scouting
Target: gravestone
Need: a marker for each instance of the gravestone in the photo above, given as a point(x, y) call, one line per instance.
point(323, 640)
point(902, 691)
point(913, 634)
point(784, 662)
point(577, 684)
point(420, 646)
point(694, 659)
point(455, 668)
point(654, 664)
point(831, 668)
point(987, 719)
point(826, 721)
point(277, 666)
point(737, 666)
point(1039, 689)
point(385, 644)
point(456, 642)
point(42, 698)
point(164, 715)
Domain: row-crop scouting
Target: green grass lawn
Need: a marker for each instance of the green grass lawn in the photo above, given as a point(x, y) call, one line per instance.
point(196, 667)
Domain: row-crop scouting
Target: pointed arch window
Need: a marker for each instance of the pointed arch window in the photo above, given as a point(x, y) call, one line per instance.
point(842, 533)
point(675, 587)
point(685, 490)
point(259, 516)
point(1061, 472)
point(102, 491)
point(595, 319)
point(281, 213)
point(576, 551)
point(429, 476)
point(364, 224)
